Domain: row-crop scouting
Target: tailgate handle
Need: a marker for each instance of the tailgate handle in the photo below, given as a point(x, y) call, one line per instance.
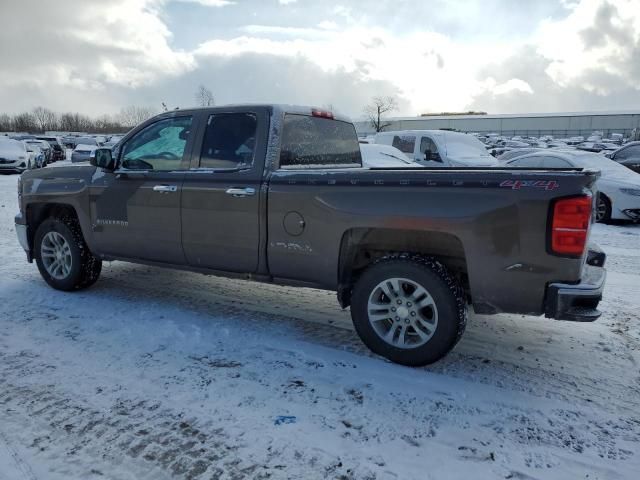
point(241, 192)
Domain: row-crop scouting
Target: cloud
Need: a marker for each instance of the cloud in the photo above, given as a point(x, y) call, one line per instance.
point(98, 55)
point(210, 3)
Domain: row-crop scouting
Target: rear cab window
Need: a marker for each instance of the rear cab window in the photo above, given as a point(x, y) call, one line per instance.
point(316, 142)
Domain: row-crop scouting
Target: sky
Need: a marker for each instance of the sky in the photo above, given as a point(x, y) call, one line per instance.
point(498, 56)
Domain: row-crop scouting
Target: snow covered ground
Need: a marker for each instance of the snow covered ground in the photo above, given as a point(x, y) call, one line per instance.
point(155, 374)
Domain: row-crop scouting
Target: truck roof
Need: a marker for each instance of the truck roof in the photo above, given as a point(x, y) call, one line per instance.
point(275, 107)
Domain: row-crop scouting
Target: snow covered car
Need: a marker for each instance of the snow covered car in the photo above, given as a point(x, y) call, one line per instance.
point(618, 187)
point(439, 148)
point(36, 155)
point(384, 156)
point(629, 156)
point(14, 156)
point(82, 153)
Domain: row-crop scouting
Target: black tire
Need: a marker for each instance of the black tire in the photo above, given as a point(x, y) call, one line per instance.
point(603, 203)
point(448, 296)
point(85, 267)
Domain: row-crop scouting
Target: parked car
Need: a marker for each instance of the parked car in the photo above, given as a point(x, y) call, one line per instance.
point(69, 141)
point(278, 194)
point(628, 155)
point(618, 187)
point(384, 156)
point(82, 153)
point(439, 148)
point(44, 147)
point(518, 152)
point(56, 146)
point(14, 156)
point(36, 155)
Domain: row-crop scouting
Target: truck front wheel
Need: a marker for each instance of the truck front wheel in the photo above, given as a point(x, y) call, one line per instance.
point(62, 256)
point(409, 309)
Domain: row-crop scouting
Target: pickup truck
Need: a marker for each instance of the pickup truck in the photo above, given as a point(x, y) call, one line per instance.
point(279, 194)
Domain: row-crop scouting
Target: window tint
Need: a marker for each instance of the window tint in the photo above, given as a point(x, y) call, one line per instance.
point(629, 152)
point(229, 140)
point(530, 162)
point(553, 162)
point(308, 141)
point(404, 143)
point(160, 146)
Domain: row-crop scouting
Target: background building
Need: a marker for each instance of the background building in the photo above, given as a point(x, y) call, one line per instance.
point(534, 124)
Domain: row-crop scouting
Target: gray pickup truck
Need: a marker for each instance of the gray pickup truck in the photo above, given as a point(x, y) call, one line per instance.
point(278, 194)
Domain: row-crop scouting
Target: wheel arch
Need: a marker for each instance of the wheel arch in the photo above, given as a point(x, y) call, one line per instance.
point(361, 247)
point(37, 213)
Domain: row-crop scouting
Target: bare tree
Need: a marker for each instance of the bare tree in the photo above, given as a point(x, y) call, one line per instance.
point(204, 97)
point(45, 119)
point(132, 115)
point(24, 122)
point(6, 123)
point(378, 107)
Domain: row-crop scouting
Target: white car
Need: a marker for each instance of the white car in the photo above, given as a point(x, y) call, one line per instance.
point(14, 156)
point(439, 148)
point(36, 155)
point(618, 187)
point(384, 156)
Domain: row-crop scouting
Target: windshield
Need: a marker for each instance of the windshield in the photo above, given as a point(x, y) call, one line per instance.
point(467, 147)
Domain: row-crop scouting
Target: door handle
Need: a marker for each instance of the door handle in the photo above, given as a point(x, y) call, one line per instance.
point(241, 192)
point(165, 188)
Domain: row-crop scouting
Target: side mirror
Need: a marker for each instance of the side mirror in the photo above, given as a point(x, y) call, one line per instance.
point(102, 158)
point(435, 157)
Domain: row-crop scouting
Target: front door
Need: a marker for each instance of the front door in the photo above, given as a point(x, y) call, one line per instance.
point(428, 154)
point(221, 194)
point(135, 211)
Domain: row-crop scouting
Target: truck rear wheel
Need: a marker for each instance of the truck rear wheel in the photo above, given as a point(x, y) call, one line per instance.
point(62, 256)
point(409, 309)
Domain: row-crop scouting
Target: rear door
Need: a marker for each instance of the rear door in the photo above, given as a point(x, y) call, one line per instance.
point(221, 192)
point(135, 211)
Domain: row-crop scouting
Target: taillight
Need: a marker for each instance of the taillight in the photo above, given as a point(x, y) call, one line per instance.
point(570, 225)
point(322, 113)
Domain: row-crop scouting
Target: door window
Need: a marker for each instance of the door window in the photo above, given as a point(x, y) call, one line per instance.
point(429, 150)
point(629, 152)
point(529, 162)
point(229, 141)
point(404, 143)
point(160, 146)
point(553, 162)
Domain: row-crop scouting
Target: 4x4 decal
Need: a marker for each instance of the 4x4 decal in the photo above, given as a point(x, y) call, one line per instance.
point(518, 184)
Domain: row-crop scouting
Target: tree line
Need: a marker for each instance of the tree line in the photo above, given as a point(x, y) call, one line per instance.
point(42, 119)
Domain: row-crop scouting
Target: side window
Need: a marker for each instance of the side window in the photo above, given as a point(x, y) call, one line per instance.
point(229, 140)
point(552, 162)
point(530, 162)
point(404, 143)
point(429, 150)
point(160, 146)
point(629, 152)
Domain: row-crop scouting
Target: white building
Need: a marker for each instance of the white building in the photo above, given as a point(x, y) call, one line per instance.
point(534, 124)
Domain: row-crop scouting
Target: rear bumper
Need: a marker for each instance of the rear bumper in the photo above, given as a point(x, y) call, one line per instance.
point(578, 302)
